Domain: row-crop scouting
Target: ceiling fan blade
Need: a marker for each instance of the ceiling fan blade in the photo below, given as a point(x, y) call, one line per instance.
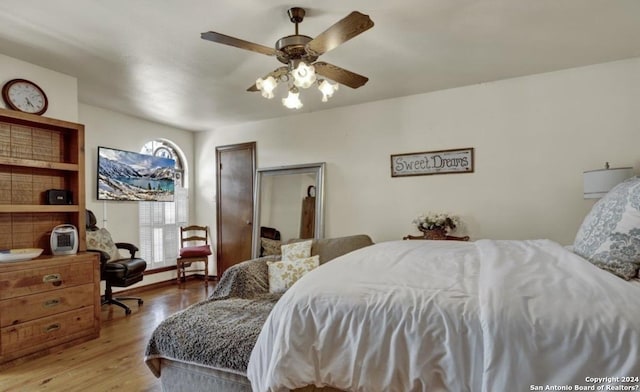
point(239, 43)
point(341, 32)
point(276, 73)
point(340, 75)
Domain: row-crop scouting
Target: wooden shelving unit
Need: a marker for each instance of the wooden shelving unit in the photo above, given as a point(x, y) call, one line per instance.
point(50, 302)
point(36, 154)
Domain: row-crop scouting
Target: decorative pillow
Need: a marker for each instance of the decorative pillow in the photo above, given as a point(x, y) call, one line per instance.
point(283, 274)
point(296, 250)
point(610, 234)
point(270, 247)
point(101, 240)
point(195, 251)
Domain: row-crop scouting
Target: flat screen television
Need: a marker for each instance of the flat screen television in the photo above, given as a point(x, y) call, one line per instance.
point(126, 175)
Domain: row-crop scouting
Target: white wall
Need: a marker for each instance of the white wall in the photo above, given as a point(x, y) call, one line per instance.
point(110, 129)
point(533, 137)
point(61, 89)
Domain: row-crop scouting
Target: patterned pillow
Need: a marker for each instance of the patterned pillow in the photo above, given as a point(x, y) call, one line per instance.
point(610, 234)
point(296, 250)
point(283, 274)
point(270, 247)
point(101, 240)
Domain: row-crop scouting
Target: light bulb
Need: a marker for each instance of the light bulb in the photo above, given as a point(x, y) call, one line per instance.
point(327, 89)
point(304, 75)
point(266, 86)
point(292, 101)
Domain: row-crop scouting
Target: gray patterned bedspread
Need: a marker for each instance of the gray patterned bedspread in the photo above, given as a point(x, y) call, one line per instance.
point(219, 332)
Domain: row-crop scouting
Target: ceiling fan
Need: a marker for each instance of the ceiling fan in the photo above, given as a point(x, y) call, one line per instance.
point(300, 52)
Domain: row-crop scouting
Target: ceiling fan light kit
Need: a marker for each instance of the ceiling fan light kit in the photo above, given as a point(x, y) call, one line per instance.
point(299, 53)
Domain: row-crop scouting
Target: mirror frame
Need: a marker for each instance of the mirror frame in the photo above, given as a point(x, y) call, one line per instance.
point(310, 168)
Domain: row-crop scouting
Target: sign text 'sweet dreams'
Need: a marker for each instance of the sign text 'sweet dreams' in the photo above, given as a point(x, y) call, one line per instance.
point(432, 162)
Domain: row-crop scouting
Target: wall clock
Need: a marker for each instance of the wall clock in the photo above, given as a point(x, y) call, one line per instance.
point(311, 191)
point(24, 96)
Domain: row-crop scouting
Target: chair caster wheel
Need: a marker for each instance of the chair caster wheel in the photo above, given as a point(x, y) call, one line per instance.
point(127, 311)
point(140, 302)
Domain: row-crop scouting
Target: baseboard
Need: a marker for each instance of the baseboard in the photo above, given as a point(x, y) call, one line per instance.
point(160, 270)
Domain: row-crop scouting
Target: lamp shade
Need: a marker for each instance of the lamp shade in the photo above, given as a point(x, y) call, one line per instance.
point(304, 75)
point(292, 101)
point(598, 182)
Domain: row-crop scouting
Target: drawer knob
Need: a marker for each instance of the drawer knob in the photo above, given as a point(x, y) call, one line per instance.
point(51, 303)
point(55, 279)
point(52, 328)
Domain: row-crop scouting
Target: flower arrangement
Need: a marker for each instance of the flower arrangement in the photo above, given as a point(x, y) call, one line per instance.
point(436, 221)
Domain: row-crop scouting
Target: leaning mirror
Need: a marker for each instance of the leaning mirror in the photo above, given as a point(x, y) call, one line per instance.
point(288, 204)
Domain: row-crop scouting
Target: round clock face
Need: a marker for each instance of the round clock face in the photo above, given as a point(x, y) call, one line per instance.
point(25, 96)
point(311, 191)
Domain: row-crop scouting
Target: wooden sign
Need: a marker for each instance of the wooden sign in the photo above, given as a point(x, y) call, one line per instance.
point(432, 162)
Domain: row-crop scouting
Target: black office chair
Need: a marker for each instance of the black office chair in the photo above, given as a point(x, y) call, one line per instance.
point(119, 272)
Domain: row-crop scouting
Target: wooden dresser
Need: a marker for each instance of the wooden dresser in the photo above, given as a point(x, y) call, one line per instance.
point(52, 301)
point(48, 303)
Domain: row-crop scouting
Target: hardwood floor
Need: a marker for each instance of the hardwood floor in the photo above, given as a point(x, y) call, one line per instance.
point(114, 361)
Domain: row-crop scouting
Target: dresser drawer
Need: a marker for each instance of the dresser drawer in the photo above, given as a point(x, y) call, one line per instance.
point(31, 307)
point(46, 331)
point(38, 280)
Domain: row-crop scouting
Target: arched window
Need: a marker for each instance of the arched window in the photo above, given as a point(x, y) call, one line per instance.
point(160, 221)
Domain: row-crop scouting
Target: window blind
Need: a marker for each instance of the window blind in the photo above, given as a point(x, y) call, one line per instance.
point(160, 228)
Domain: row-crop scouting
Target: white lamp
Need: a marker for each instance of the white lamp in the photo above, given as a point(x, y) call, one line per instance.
point(292, 101)
point(304, 76)
point(598, 182)
point(327, 89)
point(266, 86)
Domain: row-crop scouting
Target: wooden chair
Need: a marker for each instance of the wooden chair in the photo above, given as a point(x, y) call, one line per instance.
point(194, 247)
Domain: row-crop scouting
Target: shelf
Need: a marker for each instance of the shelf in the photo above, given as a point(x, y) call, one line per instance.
point(27, 119)
point(39, 153)
point(38, 208)
point(73, 167)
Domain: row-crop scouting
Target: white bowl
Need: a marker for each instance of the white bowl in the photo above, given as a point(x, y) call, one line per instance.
point(10, 255)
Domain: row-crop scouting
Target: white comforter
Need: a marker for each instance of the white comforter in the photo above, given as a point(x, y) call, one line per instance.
point(451, 316)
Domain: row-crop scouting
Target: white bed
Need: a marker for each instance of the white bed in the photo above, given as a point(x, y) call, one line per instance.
point(451, 316)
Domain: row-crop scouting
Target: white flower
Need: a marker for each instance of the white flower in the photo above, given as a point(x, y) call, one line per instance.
point(432, 220)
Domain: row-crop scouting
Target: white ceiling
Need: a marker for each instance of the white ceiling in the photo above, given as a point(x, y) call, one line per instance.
point(145, 57)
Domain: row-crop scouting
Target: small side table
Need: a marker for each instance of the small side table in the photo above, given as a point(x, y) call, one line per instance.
point(424, 237)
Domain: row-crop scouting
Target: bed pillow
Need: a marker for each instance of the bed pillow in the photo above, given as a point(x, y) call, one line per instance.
point(296, 250)
point(101, 240)
point(610, 234)
point(283, 274)
point(270, 247)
